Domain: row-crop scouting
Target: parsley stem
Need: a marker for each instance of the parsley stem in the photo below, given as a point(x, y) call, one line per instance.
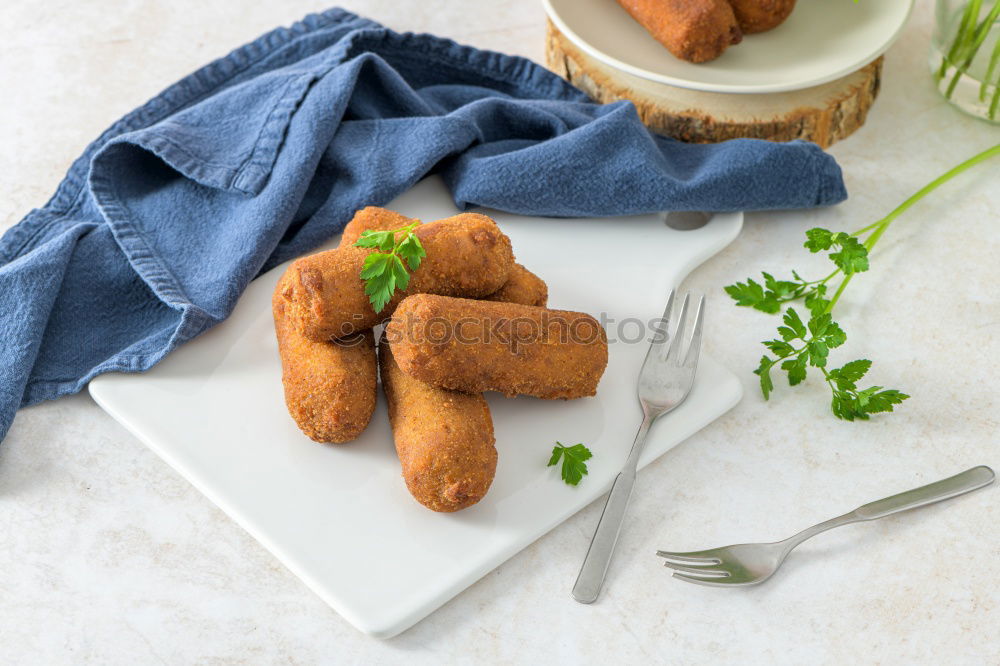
point(821, 280)
point(836, 295)
point(826, 376)
point(829, 277)
point(878, 227)
point(881, 225)
point(868, 228)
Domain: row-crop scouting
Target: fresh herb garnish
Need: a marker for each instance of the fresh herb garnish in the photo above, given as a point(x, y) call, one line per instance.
point(384, 270)
point(573, 466)
point(804, 344)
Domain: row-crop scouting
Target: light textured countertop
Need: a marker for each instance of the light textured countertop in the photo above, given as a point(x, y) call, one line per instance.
point(108, 556)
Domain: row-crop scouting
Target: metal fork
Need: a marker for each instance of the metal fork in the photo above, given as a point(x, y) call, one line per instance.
point(665, 380)
point(752, 563)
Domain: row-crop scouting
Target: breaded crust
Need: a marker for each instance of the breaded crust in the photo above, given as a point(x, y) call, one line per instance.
point(522, 287)
point(444, 439)
point(474, 346)
point(372, 218)
point(761, 15)
point(467, 255)
point(330, 387)
point(692, 30)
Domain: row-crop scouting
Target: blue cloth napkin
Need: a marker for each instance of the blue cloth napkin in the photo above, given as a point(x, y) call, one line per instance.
point(266, 153)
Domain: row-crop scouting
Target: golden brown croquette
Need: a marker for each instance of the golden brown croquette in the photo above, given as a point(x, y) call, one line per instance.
point(473, 346)
point(444, 439)
point(467, 255)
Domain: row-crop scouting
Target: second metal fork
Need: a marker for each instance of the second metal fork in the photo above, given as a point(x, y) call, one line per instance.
point(665, 380)
point(752, 563)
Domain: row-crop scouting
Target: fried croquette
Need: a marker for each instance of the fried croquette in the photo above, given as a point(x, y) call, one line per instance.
point(522, 287)
point(692, 30)
point(467, 255)
point(444, 439)
point(761, 15)
point(330, 387)
point(474, 346)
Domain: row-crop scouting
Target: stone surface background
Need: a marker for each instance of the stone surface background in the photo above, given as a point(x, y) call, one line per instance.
point(108, 556)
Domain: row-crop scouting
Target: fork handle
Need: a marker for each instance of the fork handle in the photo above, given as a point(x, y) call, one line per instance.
point(595, 565)
point(969, 480)
point(953, 486)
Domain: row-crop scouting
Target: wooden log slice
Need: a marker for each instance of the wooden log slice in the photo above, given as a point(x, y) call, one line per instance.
point(824, 114)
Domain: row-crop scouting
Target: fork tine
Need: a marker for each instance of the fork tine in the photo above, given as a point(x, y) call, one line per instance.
point(698, 571)
point(694, 350)
point(687, 558)
point(714, 581)
point(661, 337)
point(675, 343)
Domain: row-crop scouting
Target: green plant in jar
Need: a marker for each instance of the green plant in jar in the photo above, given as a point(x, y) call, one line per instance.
point(965, 55)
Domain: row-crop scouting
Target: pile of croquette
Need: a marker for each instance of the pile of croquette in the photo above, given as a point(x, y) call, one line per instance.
point(701, 30)
point(470, 320)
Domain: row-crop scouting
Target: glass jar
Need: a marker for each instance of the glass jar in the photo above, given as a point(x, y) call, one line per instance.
point(965, 55)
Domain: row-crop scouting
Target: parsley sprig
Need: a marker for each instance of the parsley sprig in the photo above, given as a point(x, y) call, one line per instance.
point(384, 270)
point(573, 457)
point(801, 345)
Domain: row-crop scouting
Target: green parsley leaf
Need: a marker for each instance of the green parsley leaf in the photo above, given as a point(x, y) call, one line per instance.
point(883, 401)
point(769, 296)
point(787, 334)
point(375, 264)
point(411, 250)
point(371, 238)
point(818, 351)
point(796, 368)
point(818, 239)
point(388, 243)
point(835, 335)
point(818, 324)
point(383, 270)
point(815, 302)
point(780, 347)
point(782, 289)
point(844, 407)
point(399, 272)
point(381, 282)
point(764, 371)
point(793, 322)
point(847, 376)
point(853, 255)
point(573, 466)
point(863, 396)
point(752, 294)
point(850, 404)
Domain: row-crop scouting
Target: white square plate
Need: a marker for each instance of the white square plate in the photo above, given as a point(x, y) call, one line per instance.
point(337, 515)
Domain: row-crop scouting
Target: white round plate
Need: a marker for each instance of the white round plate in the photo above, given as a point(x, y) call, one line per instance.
point(821, 41)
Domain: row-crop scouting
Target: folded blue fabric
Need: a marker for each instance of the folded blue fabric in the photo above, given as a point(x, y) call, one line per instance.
point(267, 152)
